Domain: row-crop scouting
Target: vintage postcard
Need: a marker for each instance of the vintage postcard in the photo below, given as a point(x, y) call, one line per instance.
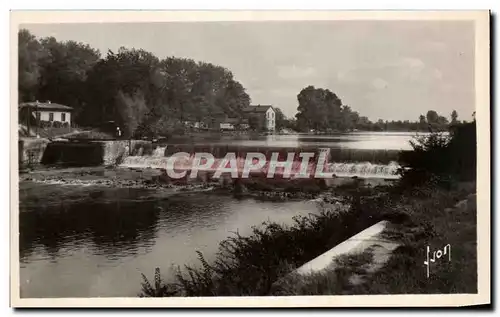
point(250, 159)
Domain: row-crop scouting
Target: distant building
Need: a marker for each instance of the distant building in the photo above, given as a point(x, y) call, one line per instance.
point(194, 124)
point(233, 124)
point(44, 111)
point(265, 113)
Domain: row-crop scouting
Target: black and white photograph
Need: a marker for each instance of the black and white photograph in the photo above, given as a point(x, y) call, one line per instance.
point(264, 156)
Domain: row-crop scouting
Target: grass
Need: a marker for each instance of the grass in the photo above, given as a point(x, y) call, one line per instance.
point(249, 266)
point(423, 220)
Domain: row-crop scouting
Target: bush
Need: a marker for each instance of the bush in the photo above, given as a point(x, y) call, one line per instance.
point(441, 159)
point(249, 266)
point(45, 124)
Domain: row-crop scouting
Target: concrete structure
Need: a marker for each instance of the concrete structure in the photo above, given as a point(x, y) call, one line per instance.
point(368, 239)
point(265, 113)
point(93, 153)
point(44, 111)
point(31, 151)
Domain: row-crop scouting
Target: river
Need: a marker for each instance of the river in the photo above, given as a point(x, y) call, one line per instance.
point(89, 241)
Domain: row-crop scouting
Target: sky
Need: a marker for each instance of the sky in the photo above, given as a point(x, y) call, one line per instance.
point(390, 70)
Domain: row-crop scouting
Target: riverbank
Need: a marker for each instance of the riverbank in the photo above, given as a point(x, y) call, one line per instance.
point(420, 217)
point(156, 179)
point(427, 218)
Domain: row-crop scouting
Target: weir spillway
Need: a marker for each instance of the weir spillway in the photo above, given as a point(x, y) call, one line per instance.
point(339, 162)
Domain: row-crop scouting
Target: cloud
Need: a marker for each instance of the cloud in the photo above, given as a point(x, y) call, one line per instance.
point(293, 71)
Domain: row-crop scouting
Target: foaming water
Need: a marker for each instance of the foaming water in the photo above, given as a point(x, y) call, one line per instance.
point(362, 154)
point(339, 169)
point(365, 170)
point(159, 151)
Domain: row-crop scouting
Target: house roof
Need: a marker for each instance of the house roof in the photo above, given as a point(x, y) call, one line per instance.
point(45, 106)
point(258, 108)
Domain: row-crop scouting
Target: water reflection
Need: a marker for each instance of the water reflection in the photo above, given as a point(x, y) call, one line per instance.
point(354, 140)
point(98, 245)
point(109, 224)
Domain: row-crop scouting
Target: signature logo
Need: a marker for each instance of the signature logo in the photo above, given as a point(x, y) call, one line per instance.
point(436, 255)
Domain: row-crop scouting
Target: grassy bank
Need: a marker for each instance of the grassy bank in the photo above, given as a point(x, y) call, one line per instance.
point(249, 266)
point(426, 216)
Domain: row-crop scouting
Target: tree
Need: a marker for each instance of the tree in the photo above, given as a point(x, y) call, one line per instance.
point(319, 109)
point(454, 116)
point(442, 121)
point(432, 117)
point(29, 53)
point(421, 120)
point(131, 110)
point(64, 68)
point(129, 72)
point(291, 124)
point(254, 123)
point(124, 83)
point(280, 119)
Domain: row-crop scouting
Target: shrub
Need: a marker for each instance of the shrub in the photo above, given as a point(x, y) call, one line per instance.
point(248, 266)
point(440, 159)
point(159, 290)
point(45, 124)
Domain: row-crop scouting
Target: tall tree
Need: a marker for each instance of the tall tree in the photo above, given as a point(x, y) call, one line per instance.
point(131, 111)
point(127, 73)
point(432, 117)
point(280, 119)
point(454, 116)
point(30, 51)
point(319, 109)
point(64, 71)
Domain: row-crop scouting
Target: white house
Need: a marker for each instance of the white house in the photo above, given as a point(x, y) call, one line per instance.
point(45, 111)
point(265, 113)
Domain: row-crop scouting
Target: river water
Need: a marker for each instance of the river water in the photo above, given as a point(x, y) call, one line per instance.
point(88, 241)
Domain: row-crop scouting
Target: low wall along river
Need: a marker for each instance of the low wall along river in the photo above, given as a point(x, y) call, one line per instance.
point(93, 153)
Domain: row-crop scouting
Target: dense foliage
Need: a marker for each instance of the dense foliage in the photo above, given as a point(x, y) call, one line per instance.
point(443, 157)
point(146, 95)
point(134, 88)
point(322, 111)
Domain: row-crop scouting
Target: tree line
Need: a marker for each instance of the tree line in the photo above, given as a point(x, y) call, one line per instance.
point(132, 87)
point(146, 95)
point(321, 110)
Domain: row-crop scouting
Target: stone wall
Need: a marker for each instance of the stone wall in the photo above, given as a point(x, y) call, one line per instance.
point(31, 151)
point(93, 153)
point(73, 154)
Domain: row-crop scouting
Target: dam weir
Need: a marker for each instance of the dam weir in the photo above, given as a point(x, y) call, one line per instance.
point(342, 162)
